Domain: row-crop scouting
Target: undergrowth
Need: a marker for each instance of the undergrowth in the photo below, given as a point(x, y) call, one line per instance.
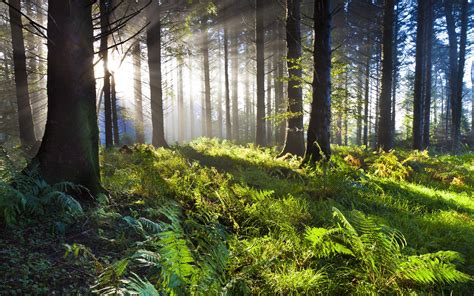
point(213, 218)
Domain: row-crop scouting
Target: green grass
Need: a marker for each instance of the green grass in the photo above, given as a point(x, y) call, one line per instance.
point(260, 209)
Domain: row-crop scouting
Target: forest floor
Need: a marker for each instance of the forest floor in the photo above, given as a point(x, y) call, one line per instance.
point(217, 217)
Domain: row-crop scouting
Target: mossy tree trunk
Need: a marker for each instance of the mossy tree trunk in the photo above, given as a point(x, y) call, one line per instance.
point(69, 151)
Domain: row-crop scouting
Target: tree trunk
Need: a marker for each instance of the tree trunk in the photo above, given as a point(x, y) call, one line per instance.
point(269, 113)
point(428, 28)
point(385, 138)
point(137, 90)
point(228, 123)
point(25, 113)
point(234, 45)
point(153, 40)
point(220, 116)
point(181, 117)
point(260, 135)
point(115, 119)
point(104, 24)
point(318, 146)
point(279, 100)
point(367, 98)
point(456, 69)
point(207, 82)
point(69, 151)
point(472, 102)
point(191, 102)
point(294, 138)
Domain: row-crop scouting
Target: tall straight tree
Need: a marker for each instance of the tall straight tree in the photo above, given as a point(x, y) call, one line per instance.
point(207, 81)
point(137, 91)
point(419, 70)
point(153, 41)
point(318, 145)
point(70, 147)
point(25, 113)
point(385, 137)
point(228, 123)
point(428, 43)
point(234, 53)
point(294, 139)
point(260, 135)
point(472, 100)
point(456, 67)
point(115, 120)
point(104, 51)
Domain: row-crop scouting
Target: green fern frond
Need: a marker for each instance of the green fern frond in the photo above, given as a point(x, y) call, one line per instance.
point(137, 286)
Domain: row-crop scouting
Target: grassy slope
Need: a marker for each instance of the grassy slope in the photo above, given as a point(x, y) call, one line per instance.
point(266, 204)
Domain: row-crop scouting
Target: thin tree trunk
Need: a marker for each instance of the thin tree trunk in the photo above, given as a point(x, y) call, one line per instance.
point(385, 139)
point(115, 119)
point(220, 116)
point(428, 27)
point(367, 98)
point(25, 113)
point(153, 36)
point(191, 103)
point(104, 24)
point(137, 78)
point(207, 82)
point(260, 135)
point(235, 83)
point(279, 99)
point(294, 137)
point(318, 146)
point(472, 101)
point(269, 120)
point(228, 123)
point(181, 116)
point(69, 151)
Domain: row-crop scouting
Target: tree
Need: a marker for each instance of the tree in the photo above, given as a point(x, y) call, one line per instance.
point(228, 123)
point(472, 100)
point(318, 145)
point(153, 40)
point(385, 137)
point(69, 151)
point(260, 135)
point(207, 81)
point(25, 113)
point(104, 27)
point(234, 52)
point(294, 139)
point(428, 43)
point(419, 71)
point(137, 91)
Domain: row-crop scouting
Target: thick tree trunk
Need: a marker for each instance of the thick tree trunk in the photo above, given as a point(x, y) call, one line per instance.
point(69, 151)
point(137, 91)
point(260, 135)
point(234, 45)
point(318, 145)
point(419, 70)
point(25, 113)
point(294, 138)
point(207, 81)
point(384, 136)
point(104, 24)
point(427, 75)
point(153, 40)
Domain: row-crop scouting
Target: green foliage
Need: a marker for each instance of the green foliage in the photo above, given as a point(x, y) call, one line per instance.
point(213, 218)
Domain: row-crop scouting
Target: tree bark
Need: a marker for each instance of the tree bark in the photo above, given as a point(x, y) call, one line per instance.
point(427, 75)
point(207, 81)
point(115, 118)
point(318, 145)
point(104, 25)
point(137, 78)
point(385, 138)
point(228, 123)
point(69, 151)
point(25, 113)
point(472, 101)
point(181, 117)
point(279, 93)
point(260, 135)
point(153, 40)
point(234, 45)
point(367, 98)
point(269, 120)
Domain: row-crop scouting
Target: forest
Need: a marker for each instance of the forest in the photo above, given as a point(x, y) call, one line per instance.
point(225, 147)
